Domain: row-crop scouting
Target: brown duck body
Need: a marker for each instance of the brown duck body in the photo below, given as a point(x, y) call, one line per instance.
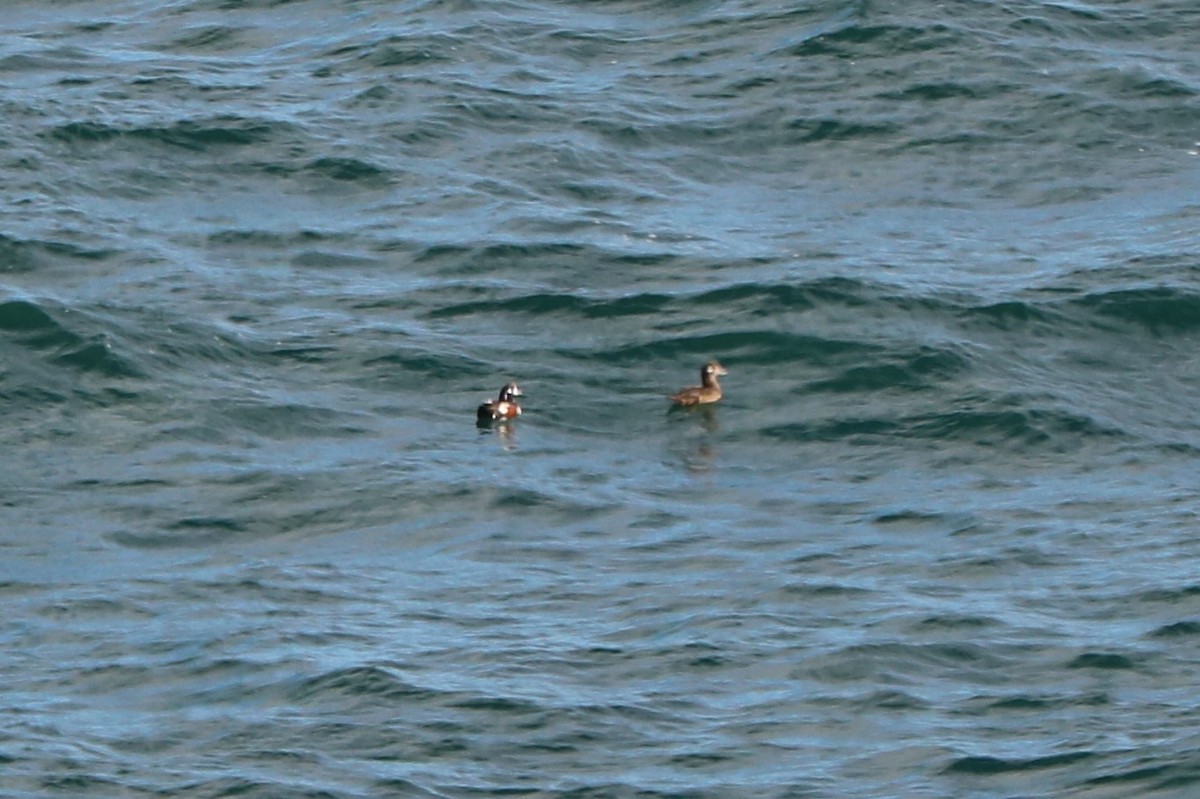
point(503, 407)
point(709, 389)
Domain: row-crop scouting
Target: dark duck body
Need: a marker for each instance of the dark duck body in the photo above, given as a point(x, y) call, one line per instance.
point(709, 389)
point(503, 407)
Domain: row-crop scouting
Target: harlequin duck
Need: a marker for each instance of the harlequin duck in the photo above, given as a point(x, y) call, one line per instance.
point(709, 389)
point(503, 407)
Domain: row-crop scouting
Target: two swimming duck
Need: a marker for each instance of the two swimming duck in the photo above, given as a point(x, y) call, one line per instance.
point(505, 406)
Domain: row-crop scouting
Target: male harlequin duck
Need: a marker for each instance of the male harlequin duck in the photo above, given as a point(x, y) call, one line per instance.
point(503, 407)
point(709, 389)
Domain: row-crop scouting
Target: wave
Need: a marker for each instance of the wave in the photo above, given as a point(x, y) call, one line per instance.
point(981, 765)
point(367, 683)
point(190, 134)
point(1160, 310)
point(80, 344)
point(18, 256)
point(1026, 428)
point(1057, 311)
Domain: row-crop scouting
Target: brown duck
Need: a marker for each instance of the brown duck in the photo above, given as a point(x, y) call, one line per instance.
point(709, 389)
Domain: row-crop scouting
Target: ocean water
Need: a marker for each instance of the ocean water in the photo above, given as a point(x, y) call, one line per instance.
point(260, 260)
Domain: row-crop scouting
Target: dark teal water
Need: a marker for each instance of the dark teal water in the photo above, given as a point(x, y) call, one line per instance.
point(260, 261)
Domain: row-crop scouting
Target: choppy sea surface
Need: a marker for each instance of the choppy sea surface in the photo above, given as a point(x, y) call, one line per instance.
point(260, 260)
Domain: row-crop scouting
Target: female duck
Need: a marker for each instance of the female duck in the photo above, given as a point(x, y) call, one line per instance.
point(709, 389)
point(503, 407)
